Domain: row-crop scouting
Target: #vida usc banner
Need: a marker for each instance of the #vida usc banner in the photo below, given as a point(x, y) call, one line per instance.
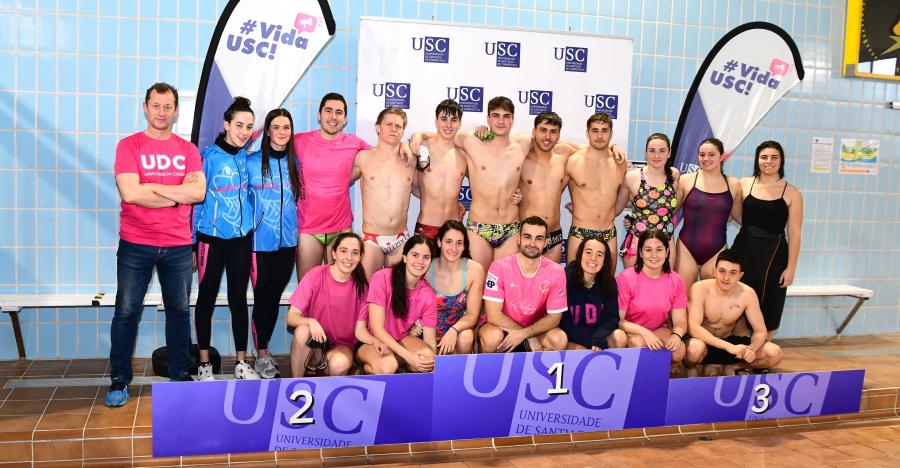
point(415, 65)
point(744, 75)
point(259, 50)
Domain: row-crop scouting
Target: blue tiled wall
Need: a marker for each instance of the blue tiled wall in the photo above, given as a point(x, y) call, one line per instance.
point(72, 75)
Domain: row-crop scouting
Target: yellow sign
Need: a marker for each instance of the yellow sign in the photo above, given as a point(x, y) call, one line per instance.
point(872, 40)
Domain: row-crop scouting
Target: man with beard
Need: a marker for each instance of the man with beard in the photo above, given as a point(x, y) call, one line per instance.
point(525, 296)
point(326, 156)
point(326, 163)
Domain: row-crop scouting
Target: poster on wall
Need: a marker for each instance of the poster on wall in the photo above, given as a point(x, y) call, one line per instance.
point(822, 155)
point(859, 156)
point(872, 39)
point(414, 65)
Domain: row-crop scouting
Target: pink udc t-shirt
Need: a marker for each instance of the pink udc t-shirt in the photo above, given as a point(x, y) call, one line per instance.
point(327, 167)
point(421, 304)
point(335, 305)
point(647, 301)
point(160, 162)
point(526, 299)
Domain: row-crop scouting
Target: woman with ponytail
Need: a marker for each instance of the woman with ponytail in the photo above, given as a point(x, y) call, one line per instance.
point(398, 297)
point(326, 311)
point(222, 226)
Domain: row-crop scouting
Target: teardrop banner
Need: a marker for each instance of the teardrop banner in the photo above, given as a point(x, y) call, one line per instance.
point(743, 76)
point(259, 50)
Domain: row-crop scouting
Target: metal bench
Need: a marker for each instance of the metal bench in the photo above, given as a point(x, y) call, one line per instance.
point(861, 294)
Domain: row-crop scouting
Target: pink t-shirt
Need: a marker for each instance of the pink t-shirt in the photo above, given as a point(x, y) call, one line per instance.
point(421, 304)
point(160, 162)
point(327, 167)
point(526, 299)
point(647, 301)
point(335, 305)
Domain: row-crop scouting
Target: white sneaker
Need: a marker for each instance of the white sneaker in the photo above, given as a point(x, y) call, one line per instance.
point(205, 372)
point(267, 367)
point(244, 371)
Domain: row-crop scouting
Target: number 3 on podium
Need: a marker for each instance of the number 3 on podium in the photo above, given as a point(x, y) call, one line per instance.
point(762, 398)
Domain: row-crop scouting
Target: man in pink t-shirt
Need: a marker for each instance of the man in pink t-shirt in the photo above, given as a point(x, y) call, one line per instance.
point(159, 175)
point(525, 296)
point(326, 160)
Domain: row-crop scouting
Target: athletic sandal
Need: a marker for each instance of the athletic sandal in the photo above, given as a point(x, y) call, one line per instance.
point(316, 368)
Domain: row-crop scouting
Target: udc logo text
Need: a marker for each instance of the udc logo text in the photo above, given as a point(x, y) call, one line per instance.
point(538, 101)
point(605, 103)
point(575, 58)
point(395, 94)
point(435, 49)
point(470, 98)
point(507, 53)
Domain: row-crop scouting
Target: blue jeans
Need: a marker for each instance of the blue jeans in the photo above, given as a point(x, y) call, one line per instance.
point(135, 264)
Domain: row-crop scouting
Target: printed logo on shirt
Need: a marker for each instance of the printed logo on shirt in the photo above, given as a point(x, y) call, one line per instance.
point(545, 286)
point(523, 307)
point(163, 165)
point(162, 162)
point(491, 282)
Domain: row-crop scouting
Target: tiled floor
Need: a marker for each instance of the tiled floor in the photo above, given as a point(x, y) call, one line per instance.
point(872, 446)
point(53, 424)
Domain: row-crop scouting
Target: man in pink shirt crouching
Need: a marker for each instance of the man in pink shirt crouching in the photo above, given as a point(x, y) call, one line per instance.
point(525, 296)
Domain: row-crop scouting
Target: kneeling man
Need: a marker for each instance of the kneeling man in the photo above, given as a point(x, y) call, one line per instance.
point(715, 306)
point(524, 297)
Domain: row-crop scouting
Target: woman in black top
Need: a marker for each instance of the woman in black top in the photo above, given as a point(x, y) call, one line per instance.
point(770, 206)
point(592, 321)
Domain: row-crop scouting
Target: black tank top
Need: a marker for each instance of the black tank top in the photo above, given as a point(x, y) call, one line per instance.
point(769, 215)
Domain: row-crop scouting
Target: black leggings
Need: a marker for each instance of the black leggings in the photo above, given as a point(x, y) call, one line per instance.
point(271, 273)
point(213, 257)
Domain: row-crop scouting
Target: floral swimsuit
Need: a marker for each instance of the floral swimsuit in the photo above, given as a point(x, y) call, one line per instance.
point(652, 208)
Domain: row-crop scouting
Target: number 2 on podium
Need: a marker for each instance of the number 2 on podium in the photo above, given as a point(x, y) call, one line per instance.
point(298, 419)
point(558, 388)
